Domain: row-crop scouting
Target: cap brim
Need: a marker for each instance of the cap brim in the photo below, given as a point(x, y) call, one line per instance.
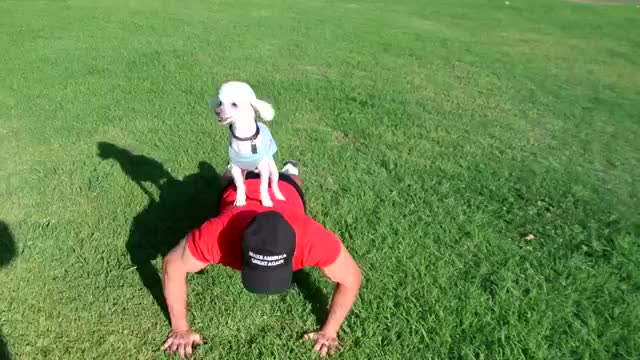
point(268, 282)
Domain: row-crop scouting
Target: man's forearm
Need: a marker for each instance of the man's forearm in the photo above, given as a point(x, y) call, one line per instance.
point(341, 302)
point(174, 286)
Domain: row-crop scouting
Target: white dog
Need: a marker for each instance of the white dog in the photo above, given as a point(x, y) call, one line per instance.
point(251, 146)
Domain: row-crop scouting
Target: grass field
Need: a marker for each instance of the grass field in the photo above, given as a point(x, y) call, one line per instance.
point(435, 136)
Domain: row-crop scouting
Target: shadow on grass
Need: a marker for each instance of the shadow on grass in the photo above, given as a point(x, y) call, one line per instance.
point(313, 294)
point(7, 245)
point(181, 206)
point(5, 354)
point(7, 254)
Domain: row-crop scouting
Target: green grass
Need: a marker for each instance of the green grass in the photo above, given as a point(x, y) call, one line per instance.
point(434, 136)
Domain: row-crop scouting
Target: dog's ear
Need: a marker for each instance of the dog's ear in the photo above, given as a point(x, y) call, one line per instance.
point(264, 109)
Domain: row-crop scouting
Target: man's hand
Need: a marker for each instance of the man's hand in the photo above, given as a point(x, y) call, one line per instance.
point(182, 341)
point(324, 343)
point(177, 264)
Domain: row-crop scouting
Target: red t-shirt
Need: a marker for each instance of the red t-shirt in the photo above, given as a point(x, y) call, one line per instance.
point(217, 241)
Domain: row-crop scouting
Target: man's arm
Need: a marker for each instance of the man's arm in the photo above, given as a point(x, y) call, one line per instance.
point(347, 276)
point(177, 264)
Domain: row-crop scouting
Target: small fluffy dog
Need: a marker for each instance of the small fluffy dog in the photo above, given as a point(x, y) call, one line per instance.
point(251, 146)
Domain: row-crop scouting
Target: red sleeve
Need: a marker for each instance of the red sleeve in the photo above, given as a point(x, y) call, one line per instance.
point(322, 247)
point(203, 242)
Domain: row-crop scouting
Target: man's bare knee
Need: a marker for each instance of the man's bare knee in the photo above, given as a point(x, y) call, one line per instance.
point(297, 180)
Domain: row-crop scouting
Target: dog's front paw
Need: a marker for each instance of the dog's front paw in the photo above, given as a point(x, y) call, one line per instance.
point(266, 201)
point(240, 200)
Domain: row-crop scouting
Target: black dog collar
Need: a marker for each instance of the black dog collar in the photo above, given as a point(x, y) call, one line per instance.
point(252, 138)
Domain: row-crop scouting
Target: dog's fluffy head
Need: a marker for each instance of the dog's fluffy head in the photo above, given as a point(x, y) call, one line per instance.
point(237, 102)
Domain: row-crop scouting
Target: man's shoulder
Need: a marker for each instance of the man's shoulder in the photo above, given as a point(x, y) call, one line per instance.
point(296, 217)
point(217, 224)
point(234, 216)
point(321, 245)
point(314, 230)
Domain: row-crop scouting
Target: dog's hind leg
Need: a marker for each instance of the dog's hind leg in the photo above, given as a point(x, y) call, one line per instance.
point(273, 173)
point(238, 179)
point(263, 168)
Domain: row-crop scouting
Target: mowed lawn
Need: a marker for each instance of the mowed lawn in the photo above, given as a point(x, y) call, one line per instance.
point(480, 160)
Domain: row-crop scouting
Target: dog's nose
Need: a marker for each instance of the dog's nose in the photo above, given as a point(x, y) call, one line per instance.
point(217, 111)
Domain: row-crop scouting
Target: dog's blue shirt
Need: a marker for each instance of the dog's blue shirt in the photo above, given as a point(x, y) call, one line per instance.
point(250, 161)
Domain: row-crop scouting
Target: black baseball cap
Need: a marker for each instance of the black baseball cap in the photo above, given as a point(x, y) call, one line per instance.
point(268, 244)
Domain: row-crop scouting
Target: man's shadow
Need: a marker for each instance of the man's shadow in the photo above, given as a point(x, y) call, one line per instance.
point(313, 294)
point(7, 254)
point(181, 206)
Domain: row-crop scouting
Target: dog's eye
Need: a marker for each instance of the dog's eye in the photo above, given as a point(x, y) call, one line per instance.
point(234, 105)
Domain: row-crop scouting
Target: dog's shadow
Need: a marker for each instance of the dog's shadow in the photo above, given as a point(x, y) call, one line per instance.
point(181, 206)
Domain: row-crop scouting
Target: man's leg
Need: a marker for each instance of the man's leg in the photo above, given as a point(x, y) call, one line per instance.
point(291, 168)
